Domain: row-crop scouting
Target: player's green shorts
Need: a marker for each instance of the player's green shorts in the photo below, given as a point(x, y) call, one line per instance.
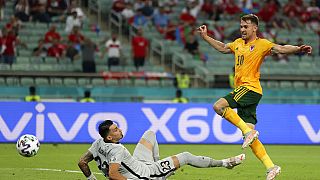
point(246, 101)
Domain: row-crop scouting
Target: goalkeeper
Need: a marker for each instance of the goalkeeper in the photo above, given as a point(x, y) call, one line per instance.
point(115, 161)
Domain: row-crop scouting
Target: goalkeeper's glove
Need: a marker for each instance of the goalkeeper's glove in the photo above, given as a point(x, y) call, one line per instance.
point(91, 177)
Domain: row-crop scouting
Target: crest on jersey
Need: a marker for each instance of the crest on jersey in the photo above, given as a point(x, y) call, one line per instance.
point(252, 48)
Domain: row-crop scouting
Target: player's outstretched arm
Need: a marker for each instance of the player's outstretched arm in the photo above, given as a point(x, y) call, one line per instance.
point(290, 49)
point(83, 165)
point(219, 46)
point(114, 172)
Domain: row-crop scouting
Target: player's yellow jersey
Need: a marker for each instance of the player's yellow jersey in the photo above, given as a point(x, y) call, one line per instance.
point(248, 59)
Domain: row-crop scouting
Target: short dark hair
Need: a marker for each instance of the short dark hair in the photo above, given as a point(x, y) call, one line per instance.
point(32, 90)
point(252, 17)
point(178, 93)
point(104, 128)
point(87, 94)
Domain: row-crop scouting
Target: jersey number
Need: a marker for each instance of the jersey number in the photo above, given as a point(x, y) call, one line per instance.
point(103, 165)
point(165, 166)
point(240, 60)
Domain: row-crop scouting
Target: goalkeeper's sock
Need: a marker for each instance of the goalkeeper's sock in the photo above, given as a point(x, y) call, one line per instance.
point(151, 138)
point(236, 120)
point(197, 161)
point(261, 153)
point(155, 152)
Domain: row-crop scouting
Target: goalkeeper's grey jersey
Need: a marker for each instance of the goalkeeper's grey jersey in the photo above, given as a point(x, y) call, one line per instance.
point(106, 153)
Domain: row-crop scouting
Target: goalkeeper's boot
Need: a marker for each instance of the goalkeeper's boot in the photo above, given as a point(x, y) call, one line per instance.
point(273, 172)
point(249, 138)
point(235, 161)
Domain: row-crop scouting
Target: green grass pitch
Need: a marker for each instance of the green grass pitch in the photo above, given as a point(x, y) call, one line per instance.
point(55, 161)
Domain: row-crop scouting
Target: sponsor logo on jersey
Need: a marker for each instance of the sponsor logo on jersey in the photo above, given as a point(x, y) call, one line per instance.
point(101, 151)
point(252, 48)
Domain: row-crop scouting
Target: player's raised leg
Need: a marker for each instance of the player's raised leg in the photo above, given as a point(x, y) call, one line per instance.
point(222, 108)
point(147, 149)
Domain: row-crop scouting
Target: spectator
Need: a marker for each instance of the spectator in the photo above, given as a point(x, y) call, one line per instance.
point(51, 35)
point(208, 9)
point(182, 81)
point(314, 20)
point(246, 6)
point(231, 8)
point(14, 24)
point(88, 49)
point(147, 9)
point(269, 10)
point(138, 4)
point(179, 98)
point(40, 50)
point(194, 7)
point(57, 50)
point(75, 7)
point(182, 31)
point(75, 36)
point(217, 32)
point(113, 47)
point(9, 42)
point(32, 97)
point(56, 7)
point(187, 17)
point(72, 21)
point(161, 20)
point(22, 10)
point(278, 21)
point(128, 12)
point(170, 31)
point(87, 97)
point(270, 33)
point(38, 11)
point(139, 19)
point(291, 9)
point(192, 45)
point(118, 5)
point(71, 52)
point(139, 49)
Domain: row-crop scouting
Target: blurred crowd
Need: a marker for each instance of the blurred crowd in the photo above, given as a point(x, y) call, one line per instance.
point(180, 24)
point(173, 23)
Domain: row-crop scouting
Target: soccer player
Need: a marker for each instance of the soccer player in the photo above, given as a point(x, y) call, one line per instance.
point(249, 51)
point(115, 161)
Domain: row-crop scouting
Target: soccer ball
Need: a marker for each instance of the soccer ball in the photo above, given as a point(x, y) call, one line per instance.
point(28, 145)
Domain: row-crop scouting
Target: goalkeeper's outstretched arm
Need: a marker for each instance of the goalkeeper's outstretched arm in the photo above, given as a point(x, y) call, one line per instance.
point(83, 165)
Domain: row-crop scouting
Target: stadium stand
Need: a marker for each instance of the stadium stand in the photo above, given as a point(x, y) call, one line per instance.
point(208, 71)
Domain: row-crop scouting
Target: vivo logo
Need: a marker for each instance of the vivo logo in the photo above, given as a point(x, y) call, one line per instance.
point(185, 121)
point(66, 135)
point(158, 125)
point(176, 125)
point(307, 127)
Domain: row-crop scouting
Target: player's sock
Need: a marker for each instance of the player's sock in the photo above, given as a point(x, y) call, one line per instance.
point(197, 161)
point(156, 154)
point(261, 153)
point(236, 120)
point(151, 138)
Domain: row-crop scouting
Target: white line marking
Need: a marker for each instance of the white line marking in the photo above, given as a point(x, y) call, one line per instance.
point(46, 169)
